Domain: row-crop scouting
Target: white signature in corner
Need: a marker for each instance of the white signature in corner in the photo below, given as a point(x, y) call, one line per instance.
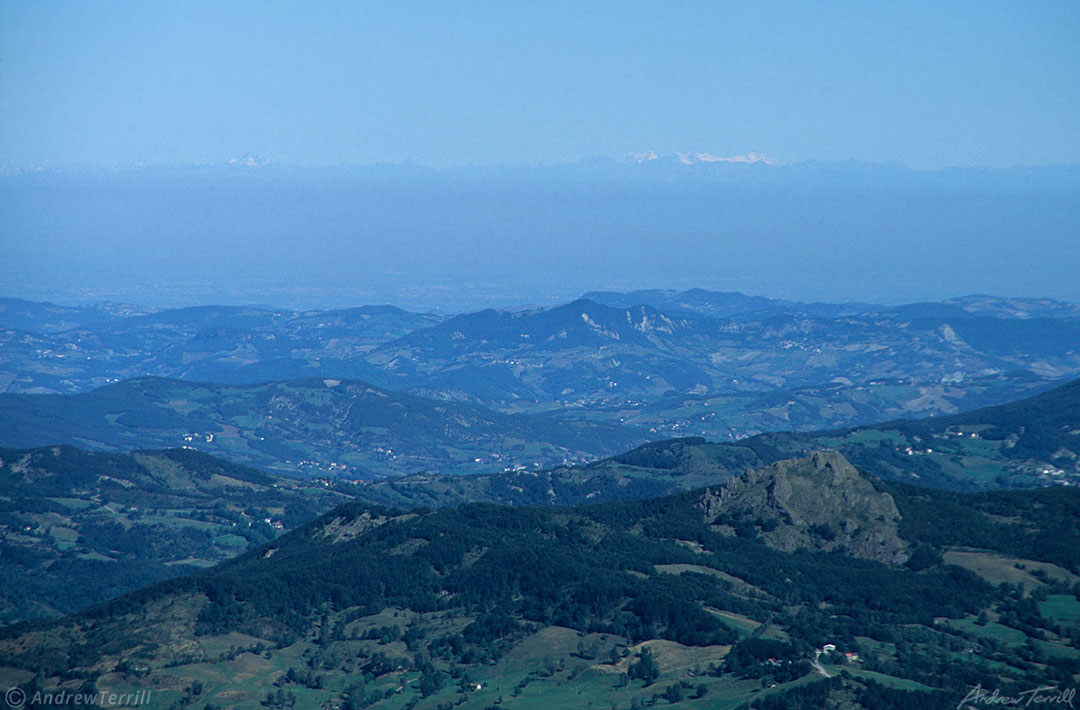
point(1047, 695)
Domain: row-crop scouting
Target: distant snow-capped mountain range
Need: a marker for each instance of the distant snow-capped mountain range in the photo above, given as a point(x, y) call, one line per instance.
point(687, 158)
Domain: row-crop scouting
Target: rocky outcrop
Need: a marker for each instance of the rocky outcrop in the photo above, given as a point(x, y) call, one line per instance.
point(820, 502)
point(344, 528)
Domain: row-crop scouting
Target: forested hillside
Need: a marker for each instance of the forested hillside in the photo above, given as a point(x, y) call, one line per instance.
point(309, 427)
point(695, 598)
point(79, 527)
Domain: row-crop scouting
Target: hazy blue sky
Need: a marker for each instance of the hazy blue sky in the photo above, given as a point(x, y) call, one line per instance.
point(101, 84)
point(927, 83)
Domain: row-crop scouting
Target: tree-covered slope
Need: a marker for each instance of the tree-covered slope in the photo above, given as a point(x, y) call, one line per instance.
point(59, 520)
point(1024, 444)
point(79, 527)
point(619, 358)
point(663, 600)
point(61, 349)
point(312, 426)
point(1033, 441)
point(697, 363)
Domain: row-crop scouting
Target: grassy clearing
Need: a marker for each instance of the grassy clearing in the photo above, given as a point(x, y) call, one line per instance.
point(671, 656)
point(1063, 608)
point(63, 535)
point(180, 520)
point(1056, 649)
point(743, 624)
point(886, 680)
point(992, 630)
point(873, 437)
point(591, 688)
point(996, 568)
point(739, 585)
point(231, 540)
point(192, 562)
point(1012, 638)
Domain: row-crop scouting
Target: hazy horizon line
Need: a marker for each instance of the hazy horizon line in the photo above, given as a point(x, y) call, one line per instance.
point(510, 303)
point(747, 160)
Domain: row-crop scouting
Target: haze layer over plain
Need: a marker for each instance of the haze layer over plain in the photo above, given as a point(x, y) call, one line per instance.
point(423, 238)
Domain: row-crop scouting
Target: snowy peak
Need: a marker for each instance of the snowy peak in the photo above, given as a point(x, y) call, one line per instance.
point(691, 158)
point(749, 158)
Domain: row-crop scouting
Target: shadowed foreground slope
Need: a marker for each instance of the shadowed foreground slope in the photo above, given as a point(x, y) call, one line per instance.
point(707, 597)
